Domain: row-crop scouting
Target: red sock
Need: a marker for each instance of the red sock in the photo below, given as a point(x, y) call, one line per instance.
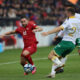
point(28, 57)
point(30, 60)
point(25, 62)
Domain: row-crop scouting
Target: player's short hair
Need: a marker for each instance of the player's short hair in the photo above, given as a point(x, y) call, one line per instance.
point(68, 4)
point(77, 9)
point(23, 16)
point(71, 10)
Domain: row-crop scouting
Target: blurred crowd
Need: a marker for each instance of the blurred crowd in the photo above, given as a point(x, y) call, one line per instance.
point(43, 12)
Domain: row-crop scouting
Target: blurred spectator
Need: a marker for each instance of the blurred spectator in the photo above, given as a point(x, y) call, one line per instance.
point(5, 13)
point(43, 12)
point(1, 1)
point(11, 13)
point(1, 13)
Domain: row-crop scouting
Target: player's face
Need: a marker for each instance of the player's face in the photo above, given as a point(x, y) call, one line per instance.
point(24, 22)
point(67, 13)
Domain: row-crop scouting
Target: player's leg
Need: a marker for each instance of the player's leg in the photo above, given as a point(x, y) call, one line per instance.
point(56, 68)
point(62, 49)
point(27, 54)
point(57, 52)
point(68, 48)
point(79, 50)
point(78, 45)
point(57, 63)
point(54, 57)
point(23, 61)
point(63, 60)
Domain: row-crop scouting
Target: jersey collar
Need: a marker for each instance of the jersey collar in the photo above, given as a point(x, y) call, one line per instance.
point(72, 17)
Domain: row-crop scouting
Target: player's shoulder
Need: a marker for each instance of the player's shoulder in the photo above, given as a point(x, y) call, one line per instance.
point(65, 21)
point(77, 15)
point(73, 19)
point(20, 28)
point(31, 23)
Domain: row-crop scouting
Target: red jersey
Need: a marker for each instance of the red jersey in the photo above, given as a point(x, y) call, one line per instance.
point(28, 35)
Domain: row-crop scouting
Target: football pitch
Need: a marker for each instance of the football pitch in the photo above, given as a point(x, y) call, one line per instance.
point(10, 68)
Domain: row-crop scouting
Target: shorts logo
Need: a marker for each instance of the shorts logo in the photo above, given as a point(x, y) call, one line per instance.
point(58, 46)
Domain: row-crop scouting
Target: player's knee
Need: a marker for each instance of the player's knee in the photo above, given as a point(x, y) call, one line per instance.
point(25, 53)
point(49, 57)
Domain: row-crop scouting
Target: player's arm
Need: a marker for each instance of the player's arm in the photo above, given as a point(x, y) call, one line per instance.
point(9, 33)
point(78, 49)
point(37, 29)
point(55, 38)
point(65, 25)
point(57, 29)
point(59, 35)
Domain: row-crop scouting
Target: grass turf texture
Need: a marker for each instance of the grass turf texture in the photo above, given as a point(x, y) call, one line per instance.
point(10, 68)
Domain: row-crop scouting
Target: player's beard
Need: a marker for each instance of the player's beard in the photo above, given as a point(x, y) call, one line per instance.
point(24, 25)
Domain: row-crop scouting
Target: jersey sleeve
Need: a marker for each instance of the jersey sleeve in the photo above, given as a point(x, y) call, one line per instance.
point(60, 34)
point(65, 25)
point(34, 25)
point(77, 15)
point(18, 30)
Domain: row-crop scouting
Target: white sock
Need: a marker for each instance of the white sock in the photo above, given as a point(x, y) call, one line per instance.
point(57, 61)
point(53, 69)
point(63, 60)
point(53, 72)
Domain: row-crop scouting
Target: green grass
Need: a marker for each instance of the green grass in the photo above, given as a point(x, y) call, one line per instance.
point(13, 70)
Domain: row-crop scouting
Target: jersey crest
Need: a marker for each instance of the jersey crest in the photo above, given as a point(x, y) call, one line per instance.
point(24, 33)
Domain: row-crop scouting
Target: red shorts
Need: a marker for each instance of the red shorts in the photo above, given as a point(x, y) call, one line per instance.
point(32, 49)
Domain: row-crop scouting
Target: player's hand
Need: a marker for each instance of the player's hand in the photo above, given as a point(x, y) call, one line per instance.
point(1, 36)
point(55, 38)
point(44, 34)
point(35, 30)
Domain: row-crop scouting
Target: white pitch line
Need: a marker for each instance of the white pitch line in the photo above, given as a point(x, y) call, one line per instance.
point(13, 62)
point(9, 63)
point(35, 59)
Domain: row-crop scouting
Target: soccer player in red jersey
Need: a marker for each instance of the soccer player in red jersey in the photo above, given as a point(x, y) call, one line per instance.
point(27, 31)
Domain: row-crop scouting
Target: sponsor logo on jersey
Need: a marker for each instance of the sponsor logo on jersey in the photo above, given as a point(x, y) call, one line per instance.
point(24, 33)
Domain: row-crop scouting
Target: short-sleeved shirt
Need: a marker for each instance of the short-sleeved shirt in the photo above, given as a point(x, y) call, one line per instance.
point(61, 33)
point(77, 15)
point(27, 33)
point(71, 29)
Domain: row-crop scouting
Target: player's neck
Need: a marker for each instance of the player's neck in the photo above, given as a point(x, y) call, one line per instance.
point(71, 16)
point(25, 26)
